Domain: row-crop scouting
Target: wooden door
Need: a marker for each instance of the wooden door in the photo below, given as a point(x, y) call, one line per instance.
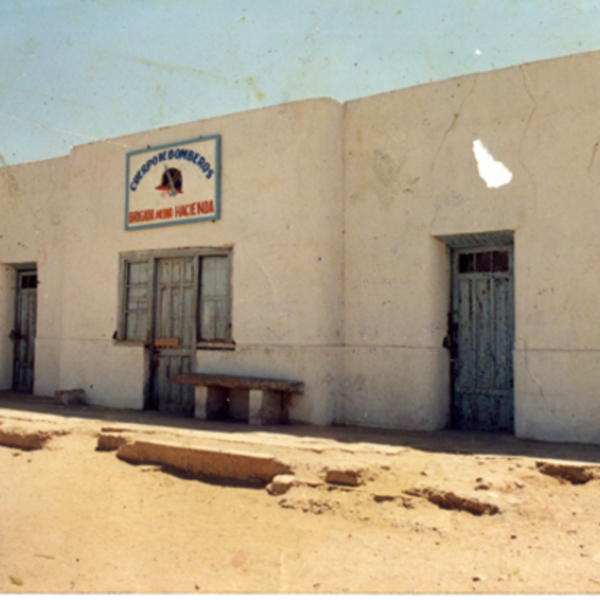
point(23, 334)
point(482, 339)
point(173, 337)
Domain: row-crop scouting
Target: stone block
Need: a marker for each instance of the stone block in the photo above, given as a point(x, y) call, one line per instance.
point(70, 397)
point(251, 467)
point(344, 477)
point(210, 403)
point(239, 404)
point(280, 484)
point(265, 407)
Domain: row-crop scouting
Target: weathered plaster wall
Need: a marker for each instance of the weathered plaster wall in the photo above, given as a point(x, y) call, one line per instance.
point(557, 355)
point(411, 174)
point(338, 278)
point(34, 203)
point(281, 212)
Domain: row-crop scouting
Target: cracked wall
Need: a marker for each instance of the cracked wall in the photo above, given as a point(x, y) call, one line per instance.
point(338, 278)
point(541, 122)
point(281, 212)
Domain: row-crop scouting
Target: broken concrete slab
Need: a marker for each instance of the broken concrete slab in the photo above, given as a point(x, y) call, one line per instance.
point(108, 442)
point(24, 439)
point(70, 397)
point(576, 474)
point(450, 500)
point(280, 484)
point(352, 477)
point(205, 462)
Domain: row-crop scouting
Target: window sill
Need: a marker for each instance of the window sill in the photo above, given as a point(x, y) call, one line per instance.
point(215, 346)
point(119, 342)
point(200, 346)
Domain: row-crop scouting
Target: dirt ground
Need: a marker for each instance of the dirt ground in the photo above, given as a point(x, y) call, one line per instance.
point(443, 512)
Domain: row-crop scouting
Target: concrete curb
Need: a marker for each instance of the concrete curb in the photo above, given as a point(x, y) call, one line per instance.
point(222, 464)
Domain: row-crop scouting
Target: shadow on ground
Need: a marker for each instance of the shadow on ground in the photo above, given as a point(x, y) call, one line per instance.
point(444, 441)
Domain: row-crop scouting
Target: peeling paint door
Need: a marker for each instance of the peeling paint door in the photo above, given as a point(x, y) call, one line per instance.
point(173, 337)
point(482, 339)
point(23, 334)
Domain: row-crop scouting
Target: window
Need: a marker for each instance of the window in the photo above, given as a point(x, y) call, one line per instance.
point(214, 320)
point(483, 262)
point(200, 276)
point(137, 300)
point(28, 282)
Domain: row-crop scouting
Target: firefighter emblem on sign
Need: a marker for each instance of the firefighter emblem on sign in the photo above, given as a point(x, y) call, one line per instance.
point(171, 182)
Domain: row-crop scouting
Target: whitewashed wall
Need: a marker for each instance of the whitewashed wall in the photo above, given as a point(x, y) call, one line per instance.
point(34, 200)
point(281, 212)
point(411, 174)
point(338, 278)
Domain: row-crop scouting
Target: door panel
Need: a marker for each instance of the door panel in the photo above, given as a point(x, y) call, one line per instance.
point(24, 332)
point(173, 342)
point(484, 327)
point(466, 311)
point(482, 331)
point(214, 320)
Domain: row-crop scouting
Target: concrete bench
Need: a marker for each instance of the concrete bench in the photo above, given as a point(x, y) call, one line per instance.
point(258, 400)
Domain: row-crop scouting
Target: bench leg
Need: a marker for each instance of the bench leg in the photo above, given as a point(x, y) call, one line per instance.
point(239, 405)
point(265, 407)
point(210, 403)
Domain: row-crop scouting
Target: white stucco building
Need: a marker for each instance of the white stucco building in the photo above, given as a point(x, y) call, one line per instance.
point(420, 258)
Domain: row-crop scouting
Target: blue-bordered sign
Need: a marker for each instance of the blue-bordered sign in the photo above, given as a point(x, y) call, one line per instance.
point(173, 184)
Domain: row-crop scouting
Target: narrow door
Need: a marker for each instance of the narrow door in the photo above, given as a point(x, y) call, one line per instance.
point(23, 334)
point(173, 342)
point(482, 336)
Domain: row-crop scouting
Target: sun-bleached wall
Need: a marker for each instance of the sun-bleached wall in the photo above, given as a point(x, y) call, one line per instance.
point(411, 174)
point(281, 193)
point(339, 278)
point(32, 232)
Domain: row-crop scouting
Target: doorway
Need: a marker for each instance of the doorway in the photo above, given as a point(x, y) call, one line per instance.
point(173, 335)
point(23, 335)
point(482, 334)
point(174, 302)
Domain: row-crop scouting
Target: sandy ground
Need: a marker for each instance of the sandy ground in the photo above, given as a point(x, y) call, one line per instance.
point(446, 512)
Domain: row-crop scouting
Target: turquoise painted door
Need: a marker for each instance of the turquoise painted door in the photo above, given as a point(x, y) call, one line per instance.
point(173, 344)
point(23, 334)
point(482, 339)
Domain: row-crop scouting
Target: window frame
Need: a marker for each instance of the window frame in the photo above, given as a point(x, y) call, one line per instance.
point(151, 256)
